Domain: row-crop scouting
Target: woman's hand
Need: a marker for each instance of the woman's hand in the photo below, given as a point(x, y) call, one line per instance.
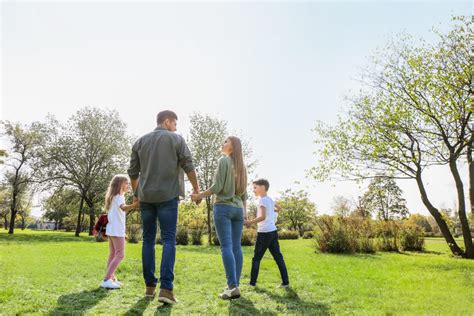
point(196, 197)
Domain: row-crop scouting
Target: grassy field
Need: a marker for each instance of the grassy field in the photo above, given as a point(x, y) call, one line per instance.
point(57, 273)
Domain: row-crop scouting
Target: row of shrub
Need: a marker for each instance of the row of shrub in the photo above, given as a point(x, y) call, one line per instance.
point(354, 234)
point(185, 236)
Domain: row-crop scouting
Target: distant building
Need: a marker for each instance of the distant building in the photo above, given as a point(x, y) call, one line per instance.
point(41, 224)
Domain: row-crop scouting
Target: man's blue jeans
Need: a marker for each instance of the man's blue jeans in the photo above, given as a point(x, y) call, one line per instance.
point(167, 215)
point(229, 222)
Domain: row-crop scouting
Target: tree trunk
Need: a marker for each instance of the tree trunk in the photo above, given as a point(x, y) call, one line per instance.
point(438, 218)
point(462, 210)
point(11, 229)
point(6, 221)
point(471, 174)
point(13, 212)
point(23, 223)
point(209, 231)
point(78, 226)
point(91, 220)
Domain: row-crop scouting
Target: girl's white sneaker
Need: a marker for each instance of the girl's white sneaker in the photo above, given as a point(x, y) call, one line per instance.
point(109, 284)
point(117, 282)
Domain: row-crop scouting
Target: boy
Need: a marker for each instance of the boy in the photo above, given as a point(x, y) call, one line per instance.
point(267, 236)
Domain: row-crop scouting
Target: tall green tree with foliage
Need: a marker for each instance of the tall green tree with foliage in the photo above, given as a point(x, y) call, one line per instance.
point(84, 154)
point(413, 113)
point(59, 205)
point(25, 140)
point(384, 199)
point(295, 210)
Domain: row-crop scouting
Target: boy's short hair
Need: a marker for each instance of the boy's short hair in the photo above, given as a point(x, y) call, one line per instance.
point(263, 182)
point(164, 115)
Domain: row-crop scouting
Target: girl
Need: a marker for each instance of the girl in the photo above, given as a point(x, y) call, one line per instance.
point(116, 211)
point(229, 208)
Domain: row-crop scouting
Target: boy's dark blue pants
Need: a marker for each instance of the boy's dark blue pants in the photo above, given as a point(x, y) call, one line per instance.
point(268, 241)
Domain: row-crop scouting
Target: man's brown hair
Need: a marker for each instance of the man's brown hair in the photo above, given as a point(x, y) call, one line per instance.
point(164, 115)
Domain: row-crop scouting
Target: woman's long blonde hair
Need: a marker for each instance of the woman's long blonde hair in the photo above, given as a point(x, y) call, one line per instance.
point(240, 171)
point(115, 188)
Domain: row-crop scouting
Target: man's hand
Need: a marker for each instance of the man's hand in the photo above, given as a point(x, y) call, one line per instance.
point(196, 197)
point(136, 202)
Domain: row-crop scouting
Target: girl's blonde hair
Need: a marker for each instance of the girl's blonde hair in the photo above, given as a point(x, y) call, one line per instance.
point(240, 171)
point(115, 188)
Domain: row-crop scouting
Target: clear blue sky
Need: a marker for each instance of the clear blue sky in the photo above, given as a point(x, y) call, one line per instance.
point(269, 69)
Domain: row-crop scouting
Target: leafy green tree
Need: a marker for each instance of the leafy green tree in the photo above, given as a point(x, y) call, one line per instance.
point(384, 199)
point(19, 176)
point(421, 221)
point(4, 204)
point(296, 210)
point(413, 113)
point(24, 208)
point(84, 154)
point(59, 205)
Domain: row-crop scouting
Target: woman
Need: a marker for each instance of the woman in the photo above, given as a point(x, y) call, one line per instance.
point(229, 211)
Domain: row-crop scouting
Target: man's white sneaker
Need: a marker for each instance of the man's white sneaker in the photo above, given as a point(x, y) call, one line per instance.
point(109, 284)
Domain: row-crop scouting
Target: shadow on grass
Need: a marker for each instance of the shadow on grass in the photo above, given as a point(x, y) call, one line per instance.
point(139, 307)
point(294, 304)
point(244, 306)
point(44, 237)
point(78, 303)
point(164, 309)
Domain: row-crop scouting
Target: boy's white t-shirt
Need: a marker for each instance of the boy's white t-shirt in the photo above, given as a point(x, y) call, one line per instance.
point(268, 224)
point(116, 217)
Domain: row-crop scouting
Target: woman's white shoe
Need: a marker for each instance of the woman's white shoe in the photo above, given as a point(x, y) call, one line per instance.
point(230, 294)
point(109, 284)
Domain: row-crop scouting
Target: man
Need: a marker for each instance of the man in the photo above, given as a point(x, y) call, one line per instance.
point(155, 170)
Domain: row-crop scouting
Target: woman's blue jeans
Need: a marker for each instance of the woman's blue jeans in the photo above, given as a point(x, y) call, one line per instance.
point(229, 222)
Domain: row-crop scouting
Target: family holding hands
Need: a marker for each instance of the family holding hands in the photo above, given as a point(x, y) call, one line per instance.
point(157, 182)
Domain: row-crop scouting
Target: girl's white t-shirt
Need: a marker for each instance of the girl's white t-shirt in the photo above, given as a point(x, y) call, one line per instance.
point(116, 217)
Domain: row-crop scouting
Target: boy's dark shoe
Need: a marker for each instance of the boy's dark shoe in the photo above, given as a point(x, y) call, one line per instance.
point(167, 296)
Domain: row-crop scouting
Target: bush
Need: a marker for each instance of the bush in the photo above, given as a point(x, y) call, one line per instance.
point(388, 234)
point(308, 235)
point(196, 236)
point(182, 236)
point(333, 235)
point(248, 237)
point(363, 230)
point(134, 233)
point(412, 237)
point(288, 234)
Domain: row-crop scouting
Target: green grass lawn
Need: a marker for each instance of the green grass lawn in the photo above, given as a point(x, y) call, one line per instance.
point(57, 273)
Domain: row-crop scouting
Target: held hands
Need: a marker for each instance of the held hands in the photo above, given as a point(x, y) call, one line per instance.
point(196, 197)
point(136, 203)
